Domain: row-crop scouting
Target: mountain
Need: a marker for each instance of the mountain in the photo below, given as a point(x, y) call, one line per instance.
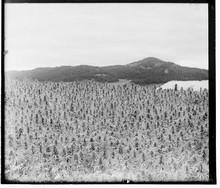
point(146, 71)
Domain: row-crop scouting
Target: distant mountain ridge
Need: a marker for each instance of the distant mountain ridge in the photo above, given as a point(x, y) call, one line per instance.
point(146, 71)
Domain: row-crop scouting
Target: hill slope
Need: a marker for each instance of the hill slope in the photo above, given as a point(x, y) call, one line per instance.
point(147, 71)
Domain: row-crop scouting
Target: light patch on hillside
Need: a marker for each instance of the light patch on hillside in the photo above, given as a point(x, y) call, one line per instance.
point(120, 82)
point(195, 85)
point(101, 75)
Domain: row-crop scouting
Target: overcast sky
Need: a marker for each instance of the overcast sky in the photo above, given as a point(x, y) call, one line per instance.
point(49, 35)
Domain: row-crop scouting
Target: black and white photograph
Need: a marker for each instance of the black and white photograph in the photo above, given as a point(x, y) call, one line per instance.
point(108, 93)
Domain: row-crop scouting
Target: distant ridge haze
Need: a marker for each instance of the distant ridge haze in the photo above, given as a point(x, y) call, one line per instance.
point(146, 71)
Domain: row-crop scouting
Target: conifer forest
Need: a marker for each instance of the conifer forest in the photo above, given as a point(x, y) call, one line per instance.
point(87, 131)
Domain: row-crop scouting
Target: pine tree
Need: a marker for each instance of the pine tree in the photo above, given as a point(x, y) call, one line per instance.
point(120, 150)
point(175, 87)
point(143, 157)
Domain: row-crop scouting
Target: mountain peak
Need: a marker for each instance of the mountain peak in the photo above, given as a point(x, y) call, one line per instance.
point(149, 61)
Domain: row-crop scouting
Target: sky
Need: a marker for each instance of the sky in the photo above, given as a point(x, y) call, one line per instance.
point(50, 35)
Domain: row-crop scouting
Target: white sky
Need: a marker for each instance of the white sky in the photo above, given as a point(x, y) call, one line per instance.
point(49, 35)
